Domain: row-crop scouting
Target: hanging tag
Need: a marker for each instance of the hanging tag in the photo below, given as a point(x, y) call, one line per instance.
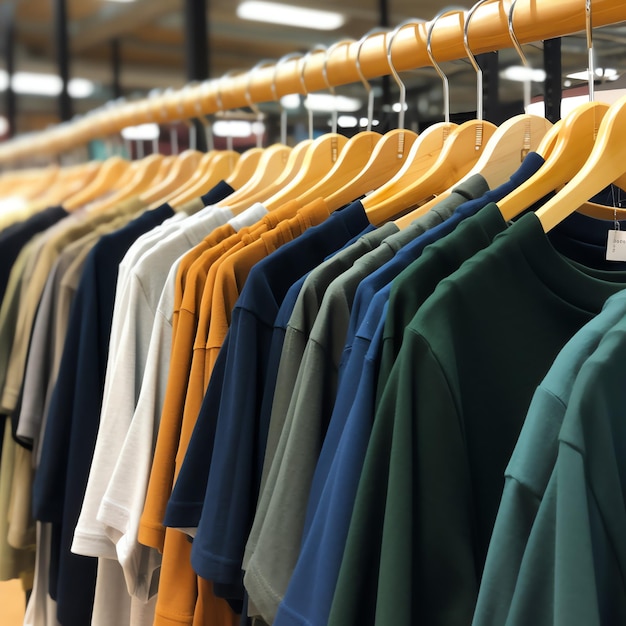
point(616, 246)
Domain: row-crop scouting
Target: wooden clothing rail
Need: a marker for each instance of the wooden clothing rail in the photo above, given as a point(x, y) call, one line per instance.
point(535, 20)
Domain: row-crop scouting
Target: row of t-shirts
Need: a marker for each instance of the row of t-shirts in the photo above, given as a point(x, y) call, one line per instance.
point(299, 418)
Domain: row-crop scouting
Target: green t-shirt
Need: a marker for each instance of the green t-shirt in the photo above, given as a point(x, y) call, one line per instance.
point(530, 467)
point(418, 281)
point(573, 566)
point(446, 425)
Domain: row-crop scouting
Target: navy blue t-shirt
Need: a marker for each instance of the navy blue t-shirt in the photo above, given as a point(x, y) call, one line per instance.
point(74, 414)
point(236, 462)
point(219, 192)
point(14, 238)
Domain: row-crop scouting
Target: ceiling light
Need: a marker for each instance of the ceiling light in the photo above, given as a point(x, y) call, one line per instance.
point(347, 121)
point(34, 84)
point(396, 107)
point(327, 103)
point(290, 101)
point(80, 88)
point(520, 74)
point(143, 132)
point(363, 122)
point(288, 15)
point(609, 73)
point(237, 128)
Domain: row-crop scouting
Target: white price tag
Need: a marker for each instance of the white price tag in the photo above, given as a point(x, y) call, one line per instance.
point(616, 246)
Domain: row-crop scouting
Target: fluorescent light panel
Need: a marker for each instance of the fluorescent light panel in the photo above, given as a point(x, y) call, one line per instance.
point(520, 74)
point(328, 103)
point(33, 84)
point(289, 15)
point(237, 128)
point(142, 132)
point(323, 102)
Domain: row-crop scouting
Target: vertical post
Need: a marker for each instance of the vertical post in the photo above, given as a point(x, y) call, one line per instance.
point(9, 54)
point(553, 89)
point(116, 69)
point(491, 86)
point(197, 52)
point(383, 22)
point(63, 58)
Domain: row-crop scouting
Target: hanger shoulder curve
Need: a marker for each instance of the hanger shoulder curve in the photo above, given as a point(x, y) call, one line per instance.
point(318, 160)
point(389, 155)
point(508, 146)
point(458, 155)
point(574, 143)
point(245, 168)
point(107, 178)
point(352, 159)
point(605, 165)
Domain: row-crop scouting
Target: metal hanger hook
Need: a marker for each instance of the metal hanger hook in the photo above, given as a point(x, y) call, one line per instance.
point(329, 51)
point(305, 60)
point(283, 111)
point(366, 83)
point(473, 61)
point(220, 102)
point(253, 105)
point(429, 50)
point(392, 67)
point(520, 52)
point(590, 62)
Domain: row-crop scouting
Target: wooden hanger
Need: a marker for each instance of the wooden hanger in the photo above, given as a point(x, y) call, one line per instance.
point(516, 137)
point(257, 189)
point(422, 154)
point(270, 166)
point(210, 172)
point(606, 165)
point(567, 155)
point(42, 182)
point(383, 164)
point(459, 154)
point(107, 179)
point(260, 186)
point(145, 171)
point(182, 169)
point(357, 159)
point(70, 182)
point(548, 143)
point(422, 176)
point(392, 150)
point(320, 157)
point(573, 146)
point(245, 167)
point(508, 146)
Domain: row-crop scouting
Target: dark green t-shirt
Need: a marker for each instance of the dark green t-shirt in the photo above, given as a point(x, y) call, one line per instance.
point(448, 421)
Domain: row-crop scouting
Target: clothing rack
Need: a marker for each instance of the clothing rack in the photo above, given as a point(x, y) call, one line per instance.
point(534, 21)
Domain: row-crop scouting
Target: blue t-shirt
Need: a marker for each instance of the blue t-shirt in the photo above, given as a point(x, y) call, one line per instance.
point(310, 593)
point(74, 414)
point(231, 474)
point(219, 192)
point(413, 250)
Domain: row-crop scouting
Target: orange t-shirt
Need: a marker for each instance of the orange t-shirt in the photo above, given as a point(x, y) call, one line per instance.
point(178, 593)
